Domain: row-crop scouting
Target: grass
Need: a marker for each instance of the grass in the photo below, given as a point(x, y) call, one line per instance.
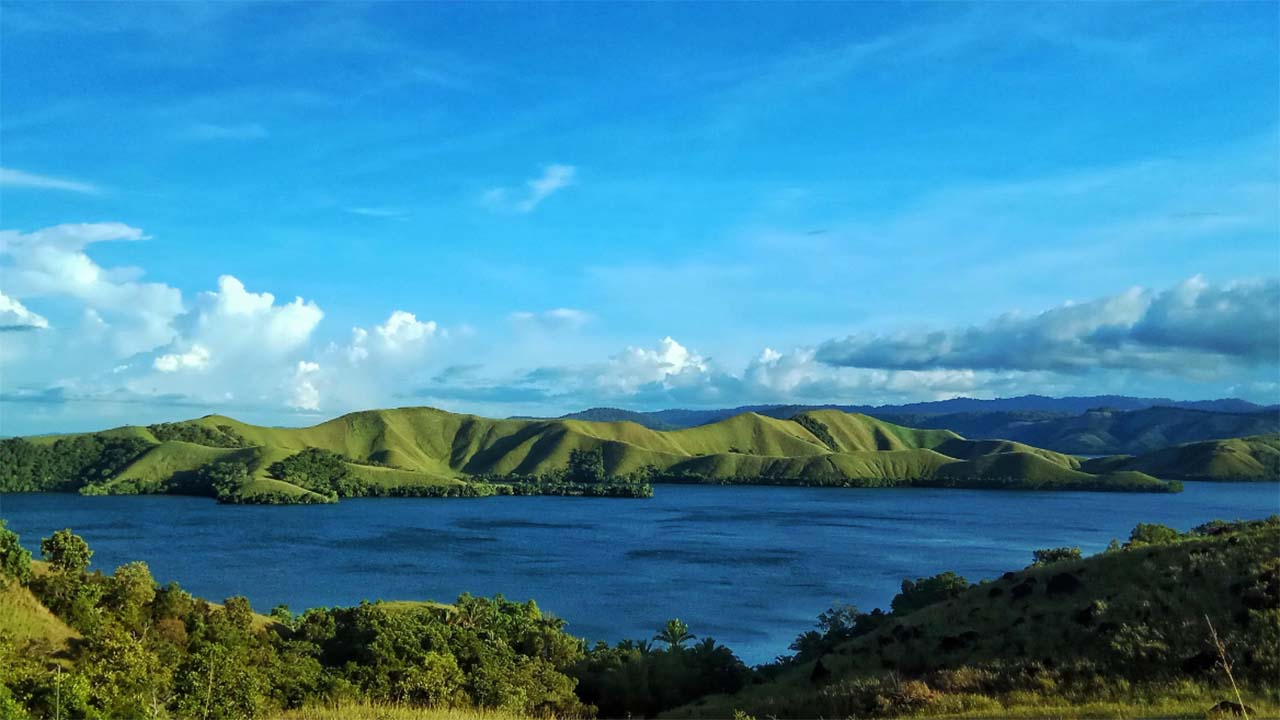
point(419, 446)
point(25, 621)
point(1247, 458)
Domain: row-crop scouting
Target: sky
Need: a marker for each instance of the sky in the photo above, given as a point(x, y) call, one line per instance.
point(283, 212)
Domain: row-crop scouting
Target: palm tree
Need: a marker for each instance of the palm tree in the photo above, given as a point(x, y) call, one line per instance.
point(675, 634)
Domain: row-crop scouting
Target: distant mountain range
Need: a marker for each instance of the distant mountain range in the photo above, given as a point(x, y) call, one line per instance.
point(1096, 425)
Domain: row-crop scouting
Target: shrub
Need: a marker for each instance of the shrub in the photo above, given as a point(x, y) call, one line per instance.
point(15, 560)
point(1152, 534)
point(1049, 556)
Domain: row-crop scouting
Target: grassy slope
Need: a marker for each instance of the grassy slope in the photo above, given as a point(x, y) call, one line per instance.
point(1170, 588)
point(432, 447)
point(1250, 458)
point(25, 621)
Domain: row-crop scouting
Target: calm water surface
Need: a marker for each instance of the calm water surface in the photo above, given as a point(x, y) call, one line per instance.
point(750, 566)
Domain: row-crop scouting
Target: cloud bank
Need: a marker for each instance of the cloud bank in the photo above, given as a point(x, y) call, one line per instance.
point(1188, 327)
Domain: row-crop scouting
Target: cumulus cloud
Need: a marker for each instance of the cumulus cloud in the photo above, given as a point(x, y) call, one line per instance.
point(670, 374)
point(53, 262)
point(401, 337)
point(10, 177)
point(306, 396)
point(667, 365)
point(1188, 328)
point(523, 200)
point(15, 316)
point(197, 358)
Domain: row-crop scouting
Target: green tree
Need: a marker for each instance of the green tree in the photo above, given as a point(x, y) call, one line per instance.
point(675, 634)
point(15, 560)
point(1048, 556)
point(66, 551)
point(923, 592)
point(129, 592)
point(586, 466)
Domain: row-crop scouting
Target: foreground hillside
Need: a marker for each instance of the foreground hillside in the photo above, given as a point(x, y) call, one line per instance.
point(1132, 632)
point(423, 451)
point(1147, 629)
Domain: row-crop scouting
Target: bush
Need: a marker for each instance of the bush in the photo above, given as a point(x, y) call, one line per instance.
point(1049, 556)
point(927, 591)
point(15, 560)
point(1152, 534)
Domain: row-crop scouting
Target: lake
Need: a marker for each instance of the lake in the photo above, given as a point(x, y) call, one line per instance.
point(749, 566)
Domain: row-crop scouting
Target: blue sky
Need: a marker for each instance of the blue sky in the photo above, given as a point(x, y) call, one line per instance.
point(520, 209)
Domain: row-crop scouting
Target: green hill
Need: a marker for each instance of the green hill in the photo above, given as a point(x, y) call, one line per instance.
point(1125, 633)
point(1248, 458)
point(418, 450)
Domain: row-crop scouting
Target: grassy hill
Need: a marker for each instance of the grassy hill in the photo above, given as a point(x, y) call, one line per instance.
point(1089, 426)
point(420, 450)
point(1247, 458)
point(1112, 432)
point(1125, 633)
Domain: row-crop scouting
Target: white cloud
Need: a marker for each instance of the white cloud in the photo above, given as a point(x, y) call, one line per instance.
point(553, 179)
point(53, 262)
point(10, 177)
point(401, 337)
point(252, 323)
point(305, 394)
point(15, 316)
point(197, 358)
point(668, 364)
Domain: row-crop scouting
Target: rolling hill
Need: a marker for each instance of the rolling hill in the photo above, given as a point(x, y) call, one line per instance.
point(1247, 458)
point(1128, 427)
point(407, 450)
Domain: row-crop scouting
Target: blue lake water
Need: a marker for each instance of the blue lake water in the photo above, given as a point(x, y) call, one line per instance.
point(750, 566)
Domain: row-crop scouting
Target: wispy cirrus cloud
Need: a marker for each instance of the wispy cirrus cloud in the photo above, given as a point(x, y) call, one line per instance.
point(216, 131)
point(378, 212)
point(10, 177)
point(554, 319)
point(553, 179)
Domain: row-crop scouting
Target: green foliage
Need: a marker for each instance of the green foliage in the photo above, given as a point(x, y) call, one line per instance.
point(586, 466)
point(15, 560)
point(675, 634)
point(818, 428)
point(225, 479)
point(923, 592)
point(1048, 556)
point(66, 552)
point(319, 471)
point(66, 464)
point(1152, 534)
point(222, 436)
point(633, 679)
